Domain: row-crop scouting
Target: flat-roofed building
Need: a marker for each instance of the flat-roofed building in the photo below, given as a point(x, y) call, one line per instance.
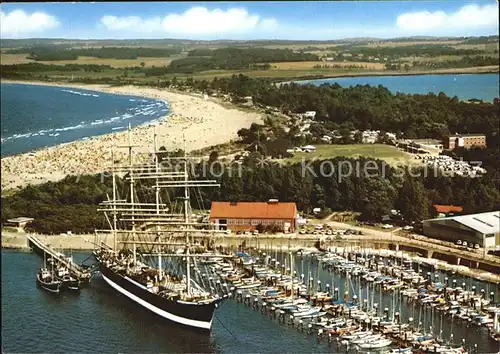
point(19, 222)
point(464, 140)
point(246, 216)
point(482, 229)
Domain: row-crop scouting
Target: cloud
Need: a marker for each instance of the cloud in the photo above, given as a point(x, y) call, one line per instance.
point(131, 23)
point(467, 17)
point(18, 23)
point(197, 21)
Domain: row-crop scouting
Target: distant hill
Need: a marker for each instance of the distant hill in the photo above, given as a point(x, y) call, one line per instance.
point(18, 43)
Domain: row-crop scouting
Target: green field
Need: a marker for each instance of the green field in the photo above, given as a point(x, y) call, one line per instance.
point(388, 153)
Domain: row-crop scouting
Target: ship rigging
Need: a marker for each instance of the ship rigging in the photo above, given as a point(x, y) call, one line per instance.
point(152, 228)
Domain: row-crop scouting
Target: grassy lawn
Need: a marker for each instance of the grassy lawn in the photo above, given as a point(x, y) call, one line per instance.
point(388, 153)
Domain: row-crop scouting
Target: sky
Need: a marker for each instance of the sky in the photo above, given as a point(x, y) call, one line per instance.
point(308, 20)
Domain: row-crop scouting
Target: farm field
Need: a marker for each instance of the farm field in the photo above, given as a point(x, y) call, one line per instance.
point(9, 59)
point(388, 153)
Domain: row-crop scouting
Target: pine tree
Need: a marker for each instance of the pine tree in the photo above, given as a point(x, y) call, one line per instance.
point(413, 201)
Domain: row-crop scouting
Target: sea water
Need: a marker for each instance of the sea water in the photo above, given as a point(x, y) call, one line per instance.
point(36, 116)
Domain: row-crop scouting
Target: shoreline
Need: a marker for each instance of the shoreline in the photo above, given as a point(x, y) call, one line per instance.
point(494, 70)
point(200, 119)
point(473, 70)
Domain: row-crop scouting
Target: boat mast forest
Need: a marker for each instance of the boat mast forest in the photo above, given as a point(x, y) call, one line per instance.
point(157, 220)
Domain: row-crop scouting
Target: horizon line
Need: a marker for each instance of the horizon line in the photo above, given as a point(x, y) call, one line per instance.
point(251, 40)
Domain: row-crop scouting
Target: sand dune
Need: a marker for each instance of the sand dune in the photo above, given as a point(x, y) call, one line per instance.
point(204, 122)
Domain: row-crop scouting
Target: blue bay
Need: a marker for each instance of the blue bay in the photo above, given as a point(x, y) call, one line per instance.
point(465, 86)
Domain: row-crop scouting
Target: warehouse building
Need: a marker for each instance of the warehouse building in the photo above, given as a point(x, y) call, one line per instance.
point(482, 229)
point(246, 216)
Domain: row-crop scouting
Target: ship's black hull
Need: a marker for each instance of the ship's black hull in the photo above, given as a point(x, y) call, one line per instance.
point(196, 316)
point(70, 285)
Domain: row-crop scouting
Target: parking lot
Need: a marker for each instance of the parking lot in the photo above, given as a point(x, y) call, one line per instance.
point(327, 230)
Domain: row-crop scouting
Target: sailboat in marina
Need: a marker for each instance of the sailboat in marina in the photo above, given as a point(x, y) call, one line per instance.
point(160, 235)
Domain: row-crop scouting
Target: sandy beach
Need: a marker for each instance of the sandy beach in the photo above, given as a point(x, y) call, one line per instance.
point(205, 123)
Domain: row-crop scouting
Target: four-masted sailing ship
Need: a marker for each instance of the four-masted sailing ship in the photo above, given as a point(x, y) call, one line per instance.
point(150, 226)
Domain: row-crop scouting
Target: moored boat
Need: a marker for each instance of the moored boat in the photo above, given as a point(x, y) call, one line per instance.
point(47, 282)
point(68, 281)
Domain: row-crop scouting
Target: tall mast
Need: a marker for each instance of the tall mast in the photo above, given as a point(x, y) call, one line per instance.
point(114, 198)
point(157, 189)
point(132, 191)
point(186, 216)
point(291, 275)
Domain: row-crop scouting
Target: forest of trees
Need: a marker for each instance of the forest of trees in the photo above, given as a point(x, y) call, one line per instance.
point(428, 50)
point(52, 53)
point(464, 62)
point(41, 68)
point(372, 188)
point(230, 59)
point(482, 40)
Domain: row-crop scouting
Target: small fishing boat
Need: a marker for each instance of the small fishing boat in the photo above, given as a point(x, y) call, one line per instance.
point(47, 281)
point(376, 344)
point(68, 281)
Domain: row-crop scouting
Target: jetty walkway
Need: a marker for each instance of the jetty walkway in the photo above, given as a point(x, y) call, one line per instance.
point(40, 247)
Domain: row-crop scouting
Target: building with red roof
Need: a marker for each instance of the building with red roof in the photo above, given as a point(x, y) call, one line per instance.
point(246, 216)
point(448, 209)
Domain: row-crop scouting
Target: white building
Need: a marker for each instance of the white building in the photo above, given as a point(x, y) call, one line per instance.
point(310, 114)
point(482, 229)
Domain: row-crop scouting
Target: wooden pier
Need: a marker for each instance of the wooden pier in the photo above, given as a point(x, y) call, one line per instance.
point(39, 247)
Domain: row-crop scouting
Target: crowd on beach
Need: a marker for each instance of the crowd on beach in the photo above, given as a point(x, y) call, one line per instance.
point(204, 122)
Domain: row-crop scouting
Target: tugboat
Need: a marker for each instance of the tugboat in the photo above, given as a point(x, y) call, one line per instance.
point(45, 279)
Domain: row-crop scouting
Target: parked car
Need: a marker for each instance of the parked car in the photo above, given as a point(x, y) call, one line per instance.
point(255, 232)
point(476, 246)
point(459, 242)
point(408, 227)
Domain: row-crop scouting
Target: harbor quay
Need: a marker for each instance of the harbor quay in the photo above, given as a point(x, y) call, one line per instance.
point(449, 259)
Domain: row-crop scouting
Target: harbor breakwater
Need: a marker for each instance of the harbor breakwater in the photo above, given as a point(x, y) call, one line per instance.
point(289, 243)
